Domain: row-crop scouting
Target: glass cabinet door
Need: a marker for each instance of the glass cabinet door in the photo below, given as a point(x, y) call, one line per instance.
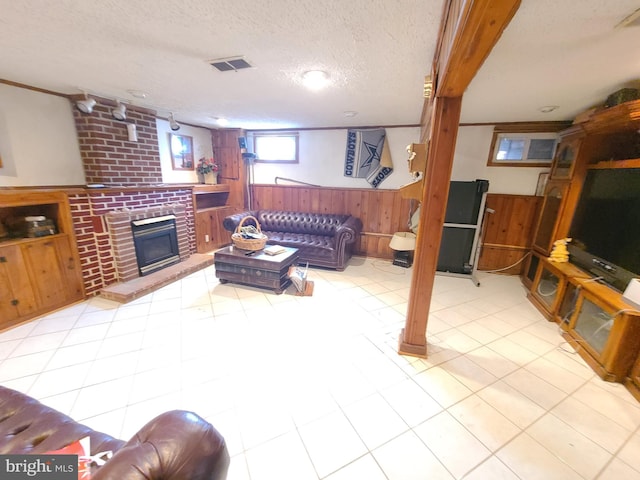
point(531, 270)
point(593, 324)
point(548, 220)
point(567, 305)
point(565, 158)
point(546, 290)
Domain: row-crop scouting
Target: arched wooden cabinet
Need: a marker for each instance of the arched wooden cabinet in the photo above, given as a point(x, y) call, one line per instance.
point(547, 230)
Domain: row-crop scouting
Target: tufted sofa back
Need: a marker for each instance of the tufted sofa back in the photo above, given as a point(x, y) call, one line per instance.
point(300, 222)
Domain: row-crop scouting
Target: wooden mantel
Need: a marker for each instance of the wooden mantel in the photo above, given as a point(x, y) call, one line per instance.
point(470, 29)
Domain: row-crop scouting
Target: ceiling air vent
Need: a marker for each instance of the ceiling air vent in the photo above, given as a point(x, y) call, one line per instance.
point(230, 64)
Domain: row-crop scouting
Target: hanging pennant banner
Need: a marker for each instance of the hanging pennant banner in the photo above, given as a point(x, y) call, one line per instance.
point(368, 156)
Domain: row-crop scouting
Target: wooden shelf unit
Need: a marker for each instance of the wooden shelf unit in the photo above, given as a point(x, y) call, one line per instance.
point(596, 321)
point(37, 275)
point(210, 203)
point(603, 328)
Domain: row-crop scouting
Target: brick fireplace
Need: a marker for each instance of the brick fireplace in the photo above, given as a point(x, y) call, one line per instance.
point(131, 174)
point(103, 262)
point(121, 236)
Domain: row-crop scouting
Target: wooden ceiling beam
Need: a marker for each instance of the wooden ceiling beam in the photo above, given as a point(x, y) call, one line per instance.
point(470, 36)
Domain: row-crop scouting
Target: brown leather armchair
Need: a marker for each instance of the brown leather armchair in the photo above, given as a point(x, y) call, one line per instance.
point(176, 445)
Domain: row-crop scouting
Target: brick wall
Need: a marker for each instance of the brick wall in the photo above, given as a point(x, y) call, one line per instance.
point(107, 154)
point(94, 244)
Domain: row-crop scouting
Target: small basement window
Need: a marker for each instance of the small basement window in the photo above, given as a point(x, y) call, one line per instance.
point(276, 147)
point(522, 149)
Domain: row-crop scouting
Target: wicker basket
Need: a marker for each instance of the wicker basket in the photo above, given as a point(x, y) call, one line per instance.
point(251, 244)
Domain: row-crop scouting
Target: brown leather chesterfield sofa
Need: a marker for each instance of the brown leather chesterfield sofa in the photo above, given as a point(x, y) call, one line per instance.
point(176, 445)
point(322, 239)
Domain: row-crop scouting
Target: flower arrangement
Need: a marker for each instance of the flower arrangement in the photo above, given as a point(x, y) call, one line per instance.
point(206, 165)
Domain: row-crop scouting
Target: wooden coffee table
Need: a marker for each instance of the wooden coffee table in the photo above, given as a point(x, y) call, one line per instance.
point(256, 269)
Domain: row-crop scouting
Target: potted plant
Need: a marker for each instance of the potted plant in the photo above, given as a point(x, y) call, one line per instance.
point(206, 166)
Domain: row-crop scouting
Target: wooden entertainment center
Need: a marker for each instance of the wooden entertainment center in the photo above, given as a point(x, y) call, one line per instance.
point(596, 321)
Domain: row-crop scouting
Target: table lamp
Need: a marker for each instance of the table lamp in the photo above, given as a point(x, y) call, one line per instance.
point(403, 244)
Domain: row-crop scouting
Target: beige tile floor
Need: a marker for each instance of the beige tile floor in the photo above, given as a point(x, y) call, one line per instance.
point(313, 388)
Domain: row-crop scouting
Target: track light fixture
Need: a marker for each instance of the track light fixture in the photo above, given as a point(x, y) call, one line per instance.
point(119, 112)
point(175, 126)
point(86, 105)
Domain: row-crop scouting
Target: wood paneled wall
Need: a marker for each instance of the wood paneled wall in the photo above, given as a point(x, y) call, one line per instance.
point(507, 231)
point(383, 212)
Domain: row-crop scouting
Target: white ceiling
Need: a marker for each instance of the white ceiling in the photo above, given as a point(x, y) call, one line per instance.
point(556, 52)
point(377, 52)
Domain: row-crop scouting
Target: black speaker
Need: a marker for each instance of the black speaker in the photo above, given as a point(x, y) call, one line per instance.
point(242, 142)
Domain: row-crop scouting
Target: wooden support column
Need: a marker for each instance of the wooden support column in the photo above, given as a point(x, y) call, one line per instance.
point(470, 29)
point(413, 340)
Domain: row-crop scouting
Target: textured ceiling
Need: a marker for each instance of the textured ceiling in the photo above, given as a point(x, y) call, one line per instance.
point(377, 52)
point(566, 53)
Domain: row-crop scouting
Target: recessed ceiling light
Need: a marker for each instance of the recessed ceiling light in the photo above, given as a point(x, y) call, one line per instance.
point(223, 122)
point(548, 108)
point(315, 79)
point(350, 113)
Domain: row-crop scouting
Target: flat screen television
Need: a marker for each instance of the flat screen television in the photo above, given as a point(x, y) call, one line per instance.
point(605, 229)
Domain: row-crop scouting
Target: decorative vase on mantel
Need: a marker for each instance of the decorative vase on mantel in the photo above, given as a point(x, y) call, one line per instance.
point(211, 178)
point(201, 178)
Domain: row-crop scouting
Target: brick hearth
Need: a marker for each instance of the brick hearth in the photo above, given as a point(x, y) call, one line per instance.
point(127, 291)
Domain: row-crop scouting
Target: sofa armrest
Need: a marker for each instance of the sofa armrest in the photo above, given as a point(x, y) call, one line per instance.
point(348, 231)
point(175, 445)
point(231, 222)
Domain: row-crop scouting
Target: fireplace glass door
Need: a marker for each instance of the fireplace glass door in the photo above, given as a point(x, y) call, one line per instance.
point(156, 243)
